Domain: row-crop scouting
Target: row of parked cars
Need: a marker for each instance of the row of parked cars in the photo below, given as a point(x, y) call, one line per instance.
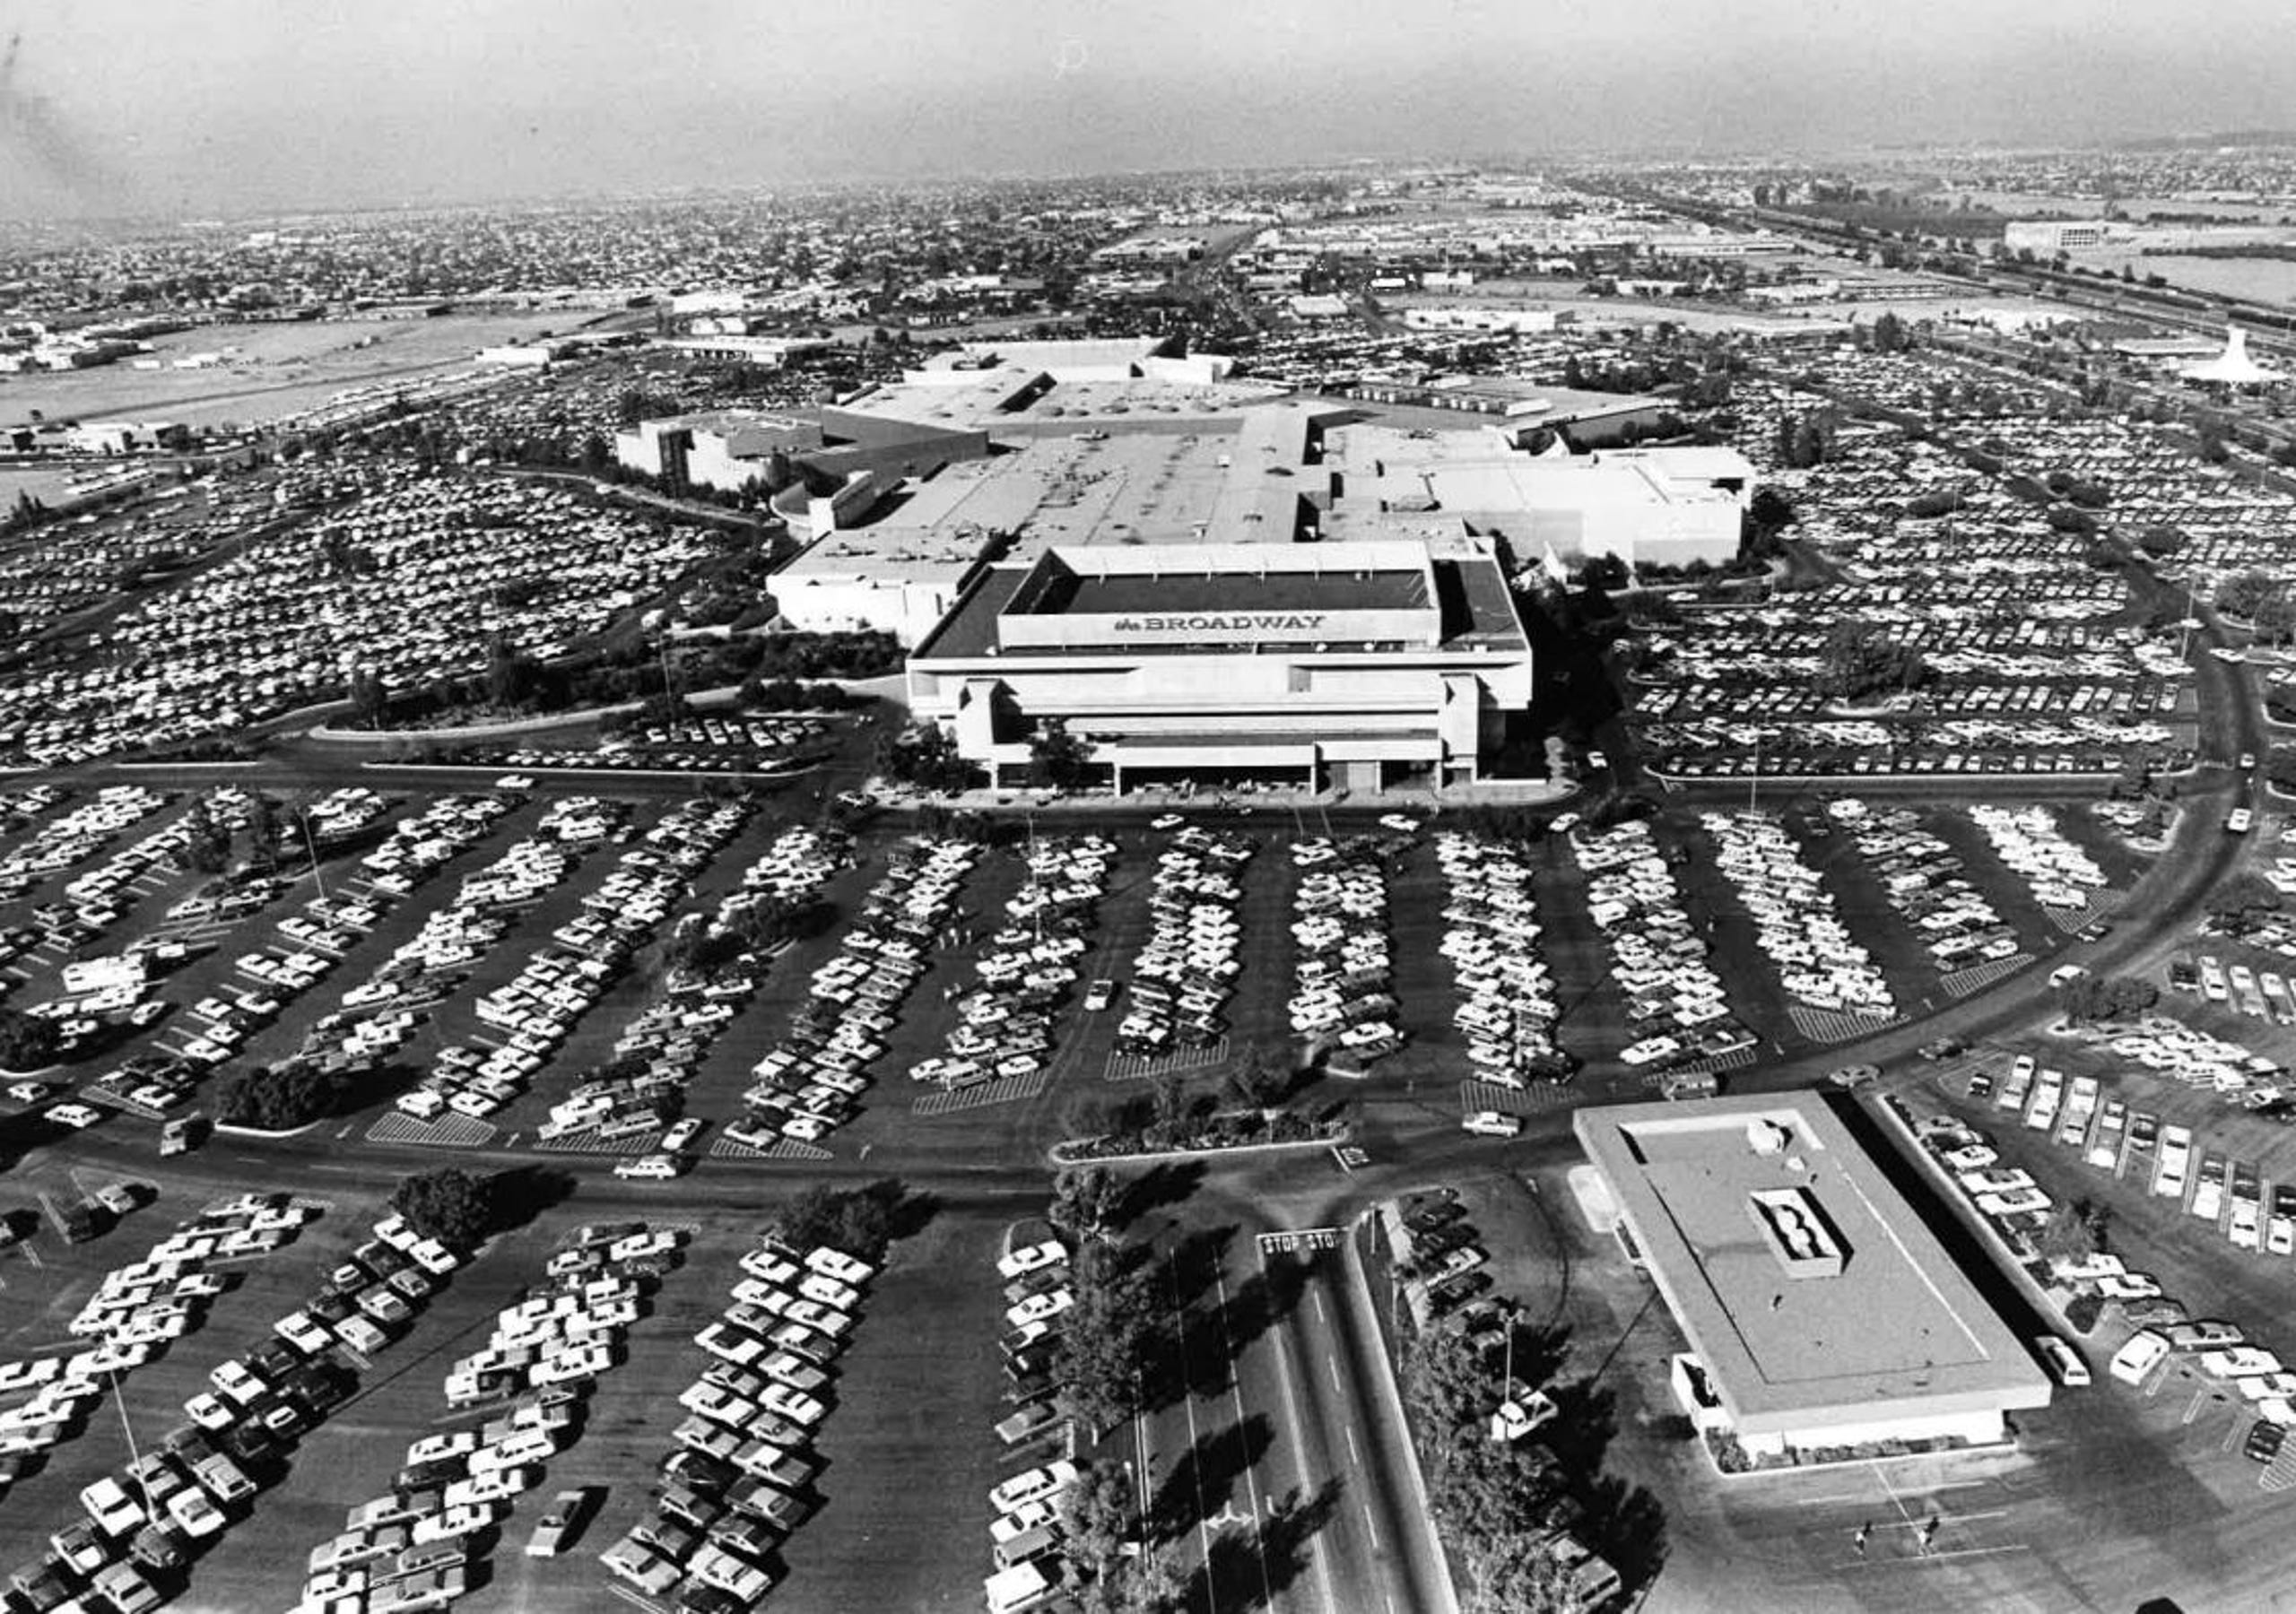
point(2105, 1133)
point(1921, 879)
point(1342, 973)
point(1028, 1526)
point(1507, 1009)
point(75, 836)
point(136, 1312)
point(2059, 874)
point(1005, 1024)
point(1658, 957)
point(1797, 922)
point(534, 1012)
point(417, 1544)
point(656, 1055)
point(147, 1520)
point(412, 578)
point(740, 1478)
point(457, 935)
point(1185, 970)
point(812, 1082)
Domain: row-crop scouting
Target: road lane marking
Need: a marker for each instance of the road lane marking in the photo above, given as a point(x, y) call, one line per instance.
point(1352, 1452)
point(1187, 1401)
point(1236, 1395)
point(1315, 1543)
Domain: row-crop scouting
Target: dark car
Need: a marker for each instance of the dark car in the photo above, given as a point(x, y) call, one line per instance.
point(247, 1441)
point(158, 1548)
point(421, 1476)
point(698, 1471)
point(2263, 1441)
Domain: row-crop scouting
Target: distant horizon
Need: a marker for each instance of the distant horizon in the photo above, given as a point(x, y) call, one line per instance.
point(119, 112)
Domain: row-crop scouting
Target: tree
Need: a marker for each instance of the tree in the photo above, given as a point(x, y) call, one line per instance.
point(1086, 1202)
point(449, 1205)
point(208, 846)
point(1097, 1511)
point(2076, 1229)
point(284, 1096)
point(1860, 659)
point(2161, 542)
point(28, 1042)
point(1057, 758)
point(1104, 1341)
point(1258, 1080)
point(2089, 1000)
point(511, 675)
point(1517, 1575)
point(1889, 335)
point(2242, 903)
point(859, 1222)
point(924, 755)
point(369, 698)
point(265, 833)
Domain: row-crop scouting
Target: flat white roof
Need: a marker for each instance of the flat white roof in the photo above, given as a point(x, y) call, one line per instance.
point(1788, 1346)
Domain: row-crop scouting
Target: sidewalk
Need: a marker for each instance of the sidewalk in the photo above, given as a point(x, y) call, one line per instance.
point(1510, 792)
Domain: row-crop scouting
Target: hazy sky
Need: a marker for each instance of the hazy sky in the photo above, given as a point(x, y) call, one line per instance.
point(196, 106)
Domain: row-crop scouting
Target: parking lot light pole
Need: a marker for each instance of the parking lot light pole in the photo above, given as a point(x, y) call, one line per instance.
point(303, 822)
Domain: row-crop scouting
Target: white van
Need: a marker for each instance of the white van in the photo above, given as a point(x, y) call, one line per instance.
point(1021, 1586)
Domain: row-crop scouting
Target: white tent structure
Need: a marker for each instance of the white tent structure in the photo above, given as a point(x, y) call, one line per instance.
point(2234, 367)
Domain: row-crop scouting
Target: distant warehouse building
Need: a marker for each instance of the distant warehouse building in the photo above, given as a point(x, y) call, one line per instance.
point(1349, 665)
point(1821, 1312)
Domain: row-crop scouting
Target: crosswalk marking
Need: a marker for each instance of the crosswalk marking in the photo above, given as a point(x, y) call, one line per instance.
point(1138, 1067)
point(1837, 1025)
point(447, 1131)
point(1963, 983)
point(1010, 1089)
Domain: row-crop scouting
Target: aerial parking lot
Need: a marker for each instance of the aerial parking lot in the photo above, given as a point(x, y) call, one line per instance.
point(1374, 888)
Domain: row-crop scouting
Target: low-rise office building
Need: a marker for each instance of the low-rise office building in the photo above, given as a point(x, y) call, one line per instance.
point(1822, 1313)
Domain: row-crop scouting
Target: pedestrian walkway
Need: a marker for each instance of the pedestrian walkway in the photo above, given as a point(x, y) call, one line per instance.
point(2101, 904)
point(589, 1142)
point(1836, 1025)
point(1975, 978)
point(1513, 1101)
point(1008, 1089)
point(447, 1131)
point(787, 1149)
point(1137, 1067)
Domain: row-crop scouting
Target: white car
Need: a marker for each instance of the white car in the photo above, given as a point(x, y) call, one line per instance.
point(1040, 1308)
point(2062, 1360)
point(1490, 1124)
point(836, 1263)
point(79, 1117)
point(1169, 821)
point(108, 1503)
point(1029, 1258)
point(1033, 1486)
point(650, 1167)
point(680, 1135)
point(2133, 1362)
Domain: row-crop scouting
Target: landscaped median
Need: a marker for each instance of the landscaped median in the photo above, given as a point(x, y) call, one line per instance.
point(1222, 1133)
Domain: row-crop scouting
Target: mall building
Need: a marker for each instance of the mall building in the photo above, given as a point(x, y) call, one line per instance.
point(1340, 664)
